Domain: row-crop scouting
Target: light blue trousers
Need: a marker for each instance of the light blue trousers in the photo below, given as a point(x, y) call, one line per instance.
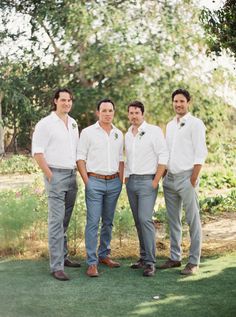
point(142, 198)
point(101, 198)
point(61, 192)
point(179, 191)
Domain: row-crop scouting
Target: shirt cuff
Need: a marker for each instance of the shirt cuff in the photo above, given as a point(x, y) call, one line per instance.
point(199, 161)
point(37, 150)
point(81, 157)
point(163, 161)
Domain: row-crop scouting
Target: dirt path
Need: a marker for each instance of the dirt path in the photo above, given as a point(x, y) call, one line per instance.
point(16, 181)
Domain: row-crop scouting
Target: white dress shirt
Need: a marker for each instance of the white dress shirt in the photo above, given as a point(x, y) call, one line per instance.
point(102, 152)
point(56, 142)
point(186, 143)
point(145, 150)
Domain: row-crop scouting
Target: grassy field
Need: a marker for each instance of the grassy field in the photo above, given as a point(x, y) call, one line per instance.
point(27, 290)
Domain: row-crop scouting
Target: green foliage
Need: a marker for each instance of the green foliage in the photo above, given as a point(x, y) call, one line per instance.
point(21, 213)
point(75, 232)
point(18, 164)
point(218, 204)
point(220, 27)
point(123, 221)
point(217, 180)
point(122, 49)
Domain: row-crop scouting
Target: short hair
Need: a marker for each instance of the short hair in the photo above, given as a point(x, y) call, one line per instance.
point(137, 104)
point(181, 92)
point(105, 100)
point(57, 95)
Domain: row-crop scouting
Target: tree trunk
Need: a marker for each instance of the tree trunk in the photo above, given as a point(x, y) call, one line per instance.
point(1, 127)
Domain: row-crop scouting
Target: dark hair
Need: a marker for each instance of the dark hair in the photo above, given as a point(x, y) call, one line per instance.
point(105, 100)
point(57, 95)
point(181, 92)
point(137, 104)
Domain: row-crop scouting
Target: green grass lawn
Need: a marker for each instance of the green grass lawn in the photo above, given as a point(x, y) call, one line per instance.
point(27, 290)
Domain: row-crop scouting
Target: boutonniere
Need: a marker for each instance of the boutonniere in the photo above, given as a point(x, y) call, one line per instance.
point(182, 124)
point(141, 134)
point(116, 136)
point(74, 125)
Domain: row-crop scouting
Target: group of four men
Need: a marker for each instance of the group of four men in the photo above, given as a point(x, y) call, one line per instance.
point(98, 155)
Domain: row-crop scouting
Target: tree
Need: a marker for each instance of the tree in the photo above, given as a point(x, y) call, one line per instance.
point(2, 150)
point(220, 26)
point(142, 49)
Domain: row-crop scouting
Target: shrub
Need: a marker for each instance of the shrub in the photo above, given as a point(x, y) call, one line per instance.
point(18, 164)
point(218, 204)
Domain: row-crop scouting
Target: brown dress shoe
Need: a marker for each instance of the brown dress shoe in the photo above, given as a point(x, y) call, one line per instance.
point(169, 264)
point(70, 263)
point(92, 270)
point(140, 264)
point(109, 262)
point(149, 270)
point(60, 275)
point(190, 269)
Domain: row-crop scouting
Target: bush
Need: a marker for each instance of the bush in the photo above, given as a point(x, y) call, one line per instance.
point(218, 204)
point(18, 164)
point(22, 214)
point(217, 180)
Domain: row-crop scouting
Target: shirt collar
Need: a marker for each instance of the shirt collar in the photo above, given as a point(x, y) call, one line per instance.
point(56, 118)
point(184, 118)
point(97, 126)
point(141, 128)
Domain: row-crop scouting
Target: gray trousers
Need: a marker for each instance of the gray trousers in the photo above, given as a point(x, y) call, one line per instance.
point(142, 198)
point(61, 192)
point(179, 191)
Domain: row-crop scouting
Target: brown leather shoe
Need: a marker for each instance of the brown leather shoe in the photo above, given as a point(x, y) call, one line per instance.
point(140, 264)
point(109, 262)
point(70, 263)
point(169, 264)
point(60, 275)
point(190, 269)
point(149, 270)
point(92, 270)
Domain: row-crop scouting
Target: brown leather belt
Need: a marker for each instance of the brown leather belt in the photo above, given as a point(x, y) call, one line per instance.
point(106, 177)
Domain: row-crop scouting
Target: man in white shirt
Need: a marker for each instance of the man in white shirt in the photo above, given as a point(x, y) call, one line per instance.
point(54, 147)
point(147, 157)
point(101, 167)
point(186, 142)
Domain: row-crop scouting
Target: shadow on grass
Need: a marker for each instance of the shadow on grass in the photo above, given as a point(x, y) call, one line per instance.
point(27, 290)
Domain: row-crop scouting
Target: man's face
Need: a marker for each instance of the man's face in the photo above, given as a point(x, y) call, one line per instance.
point(135, 116)
point(106, 113)
point(63, 103)
point(180, 105)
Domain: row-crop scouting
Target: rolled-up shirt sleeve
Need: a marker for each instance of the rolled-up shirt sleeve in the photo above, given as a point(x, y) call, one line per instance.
point(160, 147)
point(199, 143)
point(40, 138)
point(83, 146)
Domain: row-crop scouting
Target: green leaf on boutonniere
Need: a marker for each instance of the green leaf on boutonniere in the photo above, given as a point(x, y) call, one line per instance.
point(141, 134)
point(74, 125)
point(116, 135)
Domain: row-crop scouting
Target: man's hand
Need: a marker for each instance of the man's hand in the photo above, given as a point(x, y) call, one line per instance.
point(195, 173)
point(155, 184)
point(193, 181)
point(49, 175)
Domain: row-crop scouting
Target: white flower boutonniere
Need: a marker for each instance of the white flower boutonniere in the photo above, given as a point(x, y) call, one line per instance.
point(74, 125)
point(116, 136)
point(141, 134)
